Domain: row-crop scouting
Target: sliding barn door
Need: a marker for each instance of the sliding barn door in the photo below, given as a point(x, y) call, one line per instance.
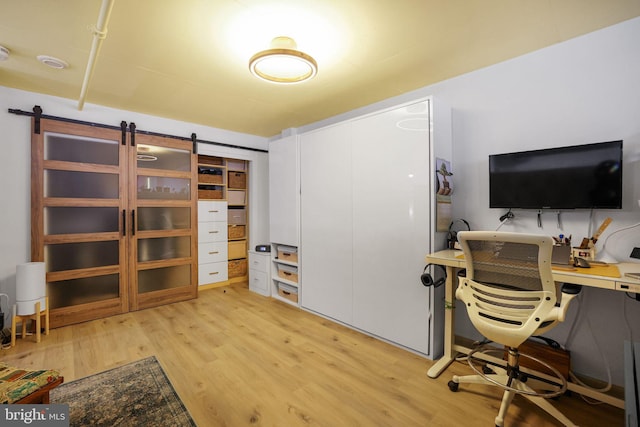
point(163, 245)
point(78, 202)
point(113, 220)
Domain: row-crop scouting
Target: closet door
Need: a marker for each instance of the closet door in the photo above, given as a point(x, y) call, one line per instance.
point(284, 191)
point(78, 202)
point(326, 222)
point(391, 232)
point(163, 242)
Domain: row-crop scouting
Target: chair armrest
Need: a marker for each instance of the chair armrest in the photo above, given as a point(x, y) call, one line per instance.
point(569, 292)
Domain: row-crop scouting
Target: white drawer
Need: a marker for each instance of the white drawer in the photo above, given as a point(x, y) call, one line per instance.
point(259, 282)
point(259, 262)
point(212, 232)
point(212, 273)
point(212, 252)
point(212, 211)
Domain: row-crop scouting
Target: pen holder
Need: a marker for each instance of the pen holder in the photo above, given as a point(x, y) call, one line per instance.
point(588, 253)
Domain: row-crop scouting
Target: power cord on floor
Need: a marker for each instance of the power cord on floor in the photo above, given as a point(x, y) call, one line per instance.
point(572, 375)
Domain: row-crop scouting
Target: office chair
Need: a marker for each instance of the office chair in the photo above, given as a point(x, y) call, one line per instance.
point(510, 295)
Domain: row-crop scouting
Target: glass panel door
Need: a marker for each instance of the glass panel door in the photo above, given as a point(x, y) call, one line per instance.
point(78, 206)
point(163, 195)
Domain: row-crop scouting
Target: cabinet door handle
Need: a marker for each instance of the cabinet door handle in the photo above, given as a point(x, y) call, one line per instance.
point(133, 222)
point(213, 273)
point(214, 211)
point(124, 222)
point(214, 252)
point(214, 232)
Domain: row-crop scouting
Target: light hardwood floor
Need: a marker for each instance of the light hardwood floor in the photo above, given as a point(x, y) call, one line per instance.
point(237, 359)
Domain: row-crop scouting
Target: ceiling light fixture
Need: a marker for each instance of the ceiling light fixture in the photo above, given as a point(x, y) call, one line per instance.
point(52, 62)
point(4, 53)
point(283, 63)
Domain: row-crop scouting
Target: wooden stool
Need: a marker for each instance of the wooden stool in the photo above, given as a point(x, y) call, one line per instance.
point(37, 316)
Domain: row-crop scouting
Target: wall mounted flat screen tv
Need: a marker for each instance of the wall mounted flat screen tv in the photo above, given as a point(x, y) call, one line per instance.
point(577, 177)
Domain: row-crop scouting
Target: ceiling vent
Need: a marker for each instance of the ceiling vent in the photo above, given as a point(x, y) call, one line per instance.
point(52, 62)
point(4, 53)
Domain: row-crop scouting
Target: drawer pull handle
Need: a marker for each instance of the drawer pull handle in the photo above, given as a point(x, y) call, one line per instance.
point(213, 273)
point(214, 211)
point(214, 252)
point(213, 232)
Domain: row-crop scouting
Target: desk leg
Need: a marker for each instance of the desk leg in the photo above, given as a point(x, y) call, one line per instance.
point(449, 327)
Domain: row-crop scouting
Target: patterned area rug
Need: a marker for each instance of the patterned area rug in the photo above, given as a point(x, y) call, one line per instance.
point(137, 394)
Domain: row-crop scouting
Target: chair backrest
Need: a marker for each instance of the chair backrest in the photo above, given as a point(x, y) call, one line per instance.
point(508, 290)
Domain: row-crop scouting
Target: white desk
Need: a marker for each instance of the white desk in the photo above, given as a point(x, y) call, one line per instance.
point(452, 260)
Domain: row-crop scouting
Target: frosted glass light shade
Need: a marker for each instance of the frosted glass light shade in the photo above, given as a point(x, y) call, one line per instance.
point(283, 63)
point(30, 287)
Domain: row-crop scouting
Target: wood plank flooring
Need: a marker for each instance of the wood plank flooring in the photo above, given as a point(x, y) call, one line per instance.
point(238, 359)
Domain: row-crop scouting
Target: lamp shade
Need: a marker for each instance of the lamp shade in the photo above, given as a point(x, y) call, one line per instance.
point(30, 287)
point(283, 63)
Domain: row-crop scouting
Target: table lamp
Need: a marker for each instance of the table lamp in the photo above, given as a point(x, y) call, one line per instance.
point(30, 287)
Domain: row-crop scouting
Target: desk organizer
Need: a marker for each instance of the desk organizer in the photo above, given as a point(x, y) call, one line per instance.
point(589, 253)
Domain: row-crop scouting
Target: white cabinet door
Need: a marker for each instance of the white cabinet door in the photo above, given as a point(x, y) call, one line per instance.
point(284, 194)
point(391, 233)
point(326, 222)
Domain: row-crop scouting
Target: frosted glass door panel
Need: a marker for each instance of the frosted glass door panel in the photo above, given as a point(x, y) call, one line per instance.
point(391, 200)
point(164, 248)
point(164, 218)
point(326, 222)
point(71, 220)
point(163, 188)
point(70, 148)
point(159, 279)
point(154, 157)
point(72, 292)
point(80, 185)
point(73, 256)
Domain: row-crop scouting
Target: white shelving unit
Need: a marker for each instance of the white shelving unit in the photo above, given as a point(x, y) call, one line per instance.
point(284, 219)
point(285, 276)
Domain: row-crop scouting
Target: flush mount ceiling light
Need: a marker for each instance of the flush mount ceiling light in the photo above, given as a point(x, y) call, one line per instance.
point(283, 63)
point(4, 53)
point(52, 62)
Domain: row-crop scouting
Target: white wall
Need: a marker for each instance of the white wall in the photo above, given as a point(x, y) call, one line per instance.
point(581, 91)
point(15, 158)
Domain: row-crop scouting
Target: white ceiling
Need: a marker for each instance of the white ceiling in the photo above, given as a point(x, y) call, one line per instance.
point(188, 59)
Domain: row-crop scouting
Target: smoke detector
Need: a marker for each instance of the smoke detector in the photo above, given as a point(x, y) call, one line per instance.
point(4, 53)
point(52, 62)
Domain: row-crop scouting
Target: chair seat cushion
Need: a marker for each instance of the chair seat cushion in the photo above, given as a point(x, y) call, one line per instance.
point(16, 383)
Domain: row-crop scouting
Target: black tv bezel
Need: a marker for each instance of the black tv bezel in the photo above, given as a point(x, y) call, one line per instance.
point(570, 148)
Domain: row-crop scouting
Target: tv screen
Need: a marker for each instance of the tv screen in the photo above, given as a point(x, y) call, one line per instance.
point(577, 177)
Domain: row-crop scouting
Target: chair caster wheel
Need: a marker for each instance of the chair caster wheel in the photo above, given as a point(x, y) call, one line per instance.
point(453, 386)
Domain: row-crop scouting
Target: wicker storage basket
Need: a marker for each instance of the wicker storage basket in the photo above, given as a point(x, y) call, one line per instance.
point(237, 180)
point(288, 292)
point(288, 272)
point(209, 160)
point(236, 231)
point(208, 178)
point(209, 194)
point(237, 268)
